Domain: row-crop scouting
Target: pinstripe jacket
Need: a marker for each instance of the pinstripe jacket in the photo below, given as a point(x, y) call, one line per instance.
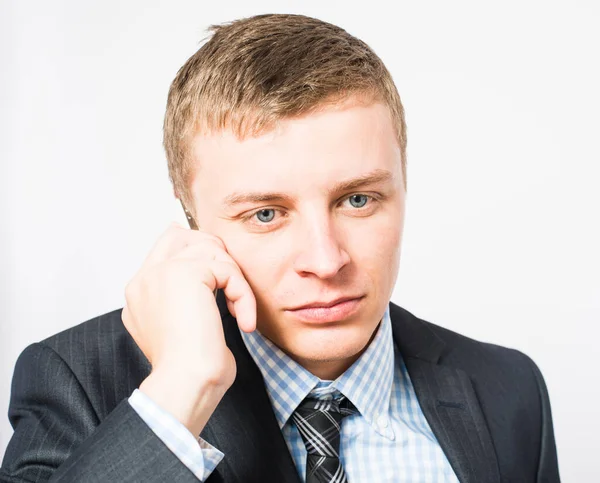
point(488, 407)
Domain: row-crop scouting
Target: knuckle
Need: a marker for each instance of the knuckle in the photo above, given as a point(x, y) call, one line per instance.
point(212, 238)
point(173, 231)
point(169, 232)
point(232, 267)
point(218, 241)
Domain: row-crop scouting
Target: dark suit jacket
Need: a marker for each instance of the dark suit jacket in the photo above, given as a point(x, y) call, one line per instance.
point(488, 407)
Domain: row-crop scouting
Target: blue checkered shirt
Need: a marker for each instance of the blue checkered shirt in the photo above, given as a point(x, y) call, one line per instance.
point(389, 440)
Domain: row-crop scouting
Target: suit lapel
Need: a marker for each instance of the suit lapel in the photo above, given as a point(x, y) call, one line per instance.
point(447, 399)
point(244, 426)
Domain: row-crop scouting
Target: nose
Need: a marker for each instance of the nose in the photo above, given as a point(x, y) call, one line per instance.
point(320, 251)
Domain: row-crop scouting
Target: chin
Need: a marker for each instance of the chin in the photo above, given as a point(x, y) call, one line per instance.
point(312, 343)
point(327, 344)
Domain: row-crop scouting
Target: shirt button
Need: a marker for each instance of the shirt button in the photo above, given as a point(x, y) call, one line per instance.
point(382, 421)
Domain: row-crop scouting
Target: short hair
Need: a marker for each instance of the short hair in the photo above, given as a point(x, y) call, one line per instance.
point(256, 71)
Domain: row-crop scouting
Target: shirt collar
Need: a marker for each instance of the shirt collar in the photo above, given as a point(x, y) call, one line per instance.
point(367, 383)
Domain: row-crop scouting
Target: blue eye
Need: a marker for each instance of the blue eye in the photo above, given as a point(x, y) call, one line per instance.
point(358, 201)
point(266, 215)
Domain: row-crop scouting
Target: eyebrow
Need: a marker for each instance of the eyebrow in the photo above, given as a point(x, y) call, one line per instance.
point(373, 177)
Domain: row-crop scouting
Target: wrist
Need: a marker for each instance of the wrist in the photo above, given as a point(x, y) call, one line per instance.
point(189, 398)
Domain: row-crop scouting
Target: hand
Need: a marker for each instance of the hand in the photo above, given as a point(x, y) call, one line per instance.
point(172, 315)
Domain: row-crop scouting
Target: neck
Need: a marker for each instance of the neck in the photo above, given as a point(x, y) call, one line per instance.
point(331, 370)
point(328, 370)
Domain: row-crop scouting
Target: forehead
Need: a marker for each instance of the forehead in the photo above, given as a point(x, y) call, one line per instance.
point(299, 154)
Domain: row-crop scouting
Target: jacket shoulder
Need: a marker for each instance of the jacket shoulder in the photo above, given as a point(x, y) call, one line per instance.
point(509, 387)
point(103, 357)
point(482, 361)
point(457, 347)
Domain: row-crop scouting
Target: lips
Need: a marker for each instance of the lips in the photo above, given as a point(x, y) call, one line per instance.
point(332, 311)
point(318, 305)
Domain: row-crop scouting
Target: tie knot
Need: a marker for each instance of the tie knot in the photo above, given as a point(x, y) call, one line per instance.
point(338, 408)
point(319, 424)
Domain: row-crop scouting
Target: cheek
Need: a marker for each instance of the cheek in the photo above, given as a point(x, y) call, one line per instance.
point(382, 253)
point(378, 255)
point(260, 262)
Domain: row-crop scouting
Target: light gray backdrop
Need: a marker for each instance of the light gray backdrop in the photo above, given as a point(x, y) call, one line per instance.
point(501, 239)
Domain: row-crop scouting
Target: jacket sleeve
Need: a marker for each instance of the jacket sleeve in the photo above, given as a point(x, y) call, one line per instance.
point(198, 455)
point(548, 459)
point(58, 435)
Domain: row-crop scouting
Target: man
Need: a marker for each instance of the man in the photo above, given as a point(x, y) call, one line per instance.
point(286, 144)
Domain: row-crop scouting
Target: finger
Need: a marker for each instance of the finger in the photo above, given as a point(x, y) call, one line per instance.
point(177, 238)
point(209, 254)
point(221, 271)
point(162, 245)
point(229, 277)
point(204, 251)
point(230, 307)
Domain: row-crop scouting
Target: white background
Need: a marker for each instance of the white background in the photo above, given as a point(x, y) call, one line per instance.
point(502, 236)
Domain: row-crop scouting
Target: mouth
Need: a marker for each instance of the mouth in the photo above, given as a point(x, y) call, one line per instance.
point(322, 312)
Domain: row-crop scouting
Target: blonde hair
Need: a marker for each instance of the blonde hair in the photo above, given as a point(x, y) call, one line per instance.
point(256, 71)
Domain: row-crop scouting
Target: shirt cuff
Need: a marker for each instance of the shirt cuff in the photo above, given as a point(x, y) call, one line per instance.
point(199, 456)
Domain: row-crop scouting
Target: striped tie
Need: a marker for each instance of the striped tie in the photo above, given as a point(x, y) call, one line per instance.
point(319, 424)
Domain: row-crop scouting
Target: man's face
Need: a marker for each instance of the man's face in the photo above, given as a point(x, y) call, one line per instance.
point(312, 212)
